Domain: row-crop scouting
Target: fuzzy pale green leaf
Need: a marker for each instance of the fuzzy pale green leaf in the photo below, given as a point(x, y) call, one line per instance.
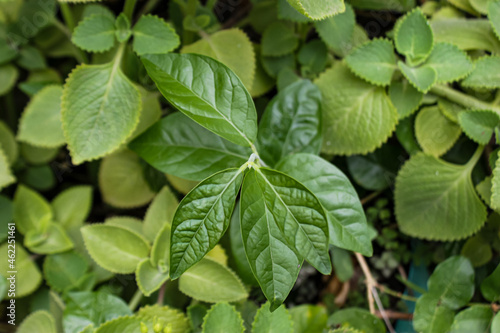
point(318, 9)
point(149, 278)
point(405, 98)
point(95, 33)
point(52, 238)
point(435, 133)
point(449, 62)
point(279, 39)
point(413, 36)
point(63, 271)
point(31, 210)
point(422, 78)
point(336, 31)
point(486, 73)
point(39, 321)
point(30, 279)
point(72, 206)
point(479, 125)
point(494, 16)
point(160, 213)
point(222, 318)
point(152, 35)
point(268, 322)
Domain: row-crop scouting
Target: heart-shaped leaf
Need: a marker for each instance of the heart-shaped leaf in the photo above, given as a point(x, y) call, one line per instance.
point(413, 36)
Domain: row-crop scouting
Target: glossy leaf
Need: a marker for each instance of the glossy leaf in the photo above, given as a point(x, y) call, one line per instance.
point(209, 281)
point(149, 278)
point(336, 31)
point(374, 61)
point(72, 206)
point(479, 125)
point(431, 316)
point(39, 321)
point(100, 110)
point(477, 318)
point(357, 116)
point(222, 318)
point(490, 287)
point(436, 199)
point(413, 36)
point(202, 218)
point(160, 213)
point(279, 39)
point(116, 249)
point(30, 279)
point(269, 322)
point(179, 146)
point(95, 33)
point(449, 62)
point(31, 210)
point(63, 271)
point(422, 78)
point(291, 123)
point(318, 9)
point(226, 108)
point(152, 35)
point(405, 98)
point(486, 73)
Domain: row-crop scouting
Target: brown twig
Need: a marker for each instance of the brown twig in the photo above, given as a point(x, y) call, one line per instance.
point(161, 294)
point(370, 197)
point(395, 315)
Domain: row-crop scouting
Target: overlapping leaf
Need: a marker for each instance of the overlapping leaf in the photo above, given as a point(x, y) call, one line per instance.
point(96, 33)
point(318, 9)
point(479, 125)
point(449, 62)
point(422, 78)
point(486, 73)
point(221, 318)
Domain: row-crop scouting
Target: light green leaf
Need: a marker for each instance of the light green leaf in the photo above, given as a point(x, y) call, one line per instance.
point(172, 318)
point(72, 206)
point(30, 279)
point(6, 177)
point(435, 133)
point(495, 324)
point(121, 181)
point(309, 318)
point(149, 277)
point(269, 322)
point(8, 78)
point(214, 97)
point(494, 16)
point(31, 210)
point(346, 219)
point(452, 282)
point(486, 73)
point(95, 33)
point(467, 34)
point(182, 185)
point(336, 31)
point(150, 113)
point(279, 39)
point(413, 36)
point(357, 116)
point(464, 5)
point(405, 97)
point(8, 143)
point(50, 239)
point(39, 321)
point(91, 308)
point(37, 155)
point(160, 213)
point(318, 9)
point(116, 249)
point(477, 250)
point(490, 287)
point(422, 78)
point(484, 190)
point(291, 123)
point(100, 110)
point(262, 82)
point(449, 62)
point(122, 28)
point(431, 316)
point(209, 281)
point(274, 263)
point(63, 271)
point(374, 61)
point(222, 318)
point(152, 35)
point(131, 223)
point(273, 66)
point(241, 60)
point(479, 125)
point(179, 146)
point(287, 12)
point(160, 252)
point(436, 199)
point(495, 187)
point(202, 218)
point(125, 324)
point(359, 319)
point(313, 57)
point(449, 109)
point(31, 59)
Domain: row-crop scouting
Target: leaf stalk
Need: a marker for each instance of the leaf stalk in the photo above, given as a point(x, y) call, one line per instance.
point(463, 99)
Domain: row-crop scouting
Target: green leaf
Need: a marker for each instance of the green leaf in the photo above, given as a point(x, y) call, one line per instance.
point(125, 324)
point(359, 319)
point(486, 73)
point(122, 25)
point(31, 210)
point(8, 143)
point(37, 155)
point(313, 56)
point(287, 12)
point(279, 39)
point(179, 146)
point(87, 111)
point(435, 133)
point(357, 116)
point(452, 282)
point(209, 281)
point(151, 112)
point(479, 125)
point(149, 277)
point(477, 250)
point(405, 98)
point(274, 263)
point(449, 109)
point(494, 16)
point(422, 78)
point(6, 177)
point(318, 9)
point(8, 78)
point(431, 316)
point(63, 271)
point(116, 249)
point(202, 218)
point(91, 308)
point(495, 324)
point(95, 33)
point(413, 36)
point(222, 318)
point(262, 82)
point(121, 181)
point(374, 61)
point(495, 188)
point(273, 66)
point(336, 31)
point(160, 213)
point(342, 264)
point(50, 239)
point(152, 35)
point(30, 58)
point(268, 322)
point(484, 190)
point(291, 123)
point(30, 279)
point(72, 206)
point(346, 219)
point(436, 199)
point(215, 97)
point(309, 318)
point(131, 223)
point(449, 62)
point(241, 59)
point(39, 321)
point(172, 318)
point(490, 287)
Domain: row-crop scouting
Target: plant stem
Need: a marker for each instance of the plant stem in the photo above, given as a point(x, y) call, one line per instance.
point(463, 99)
point(128, 8)
point(149, 6)
point(161, 294)
point(189, 10)
point(477, 155)
point(370, 197)
point(67, 15)
point(135, 300)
